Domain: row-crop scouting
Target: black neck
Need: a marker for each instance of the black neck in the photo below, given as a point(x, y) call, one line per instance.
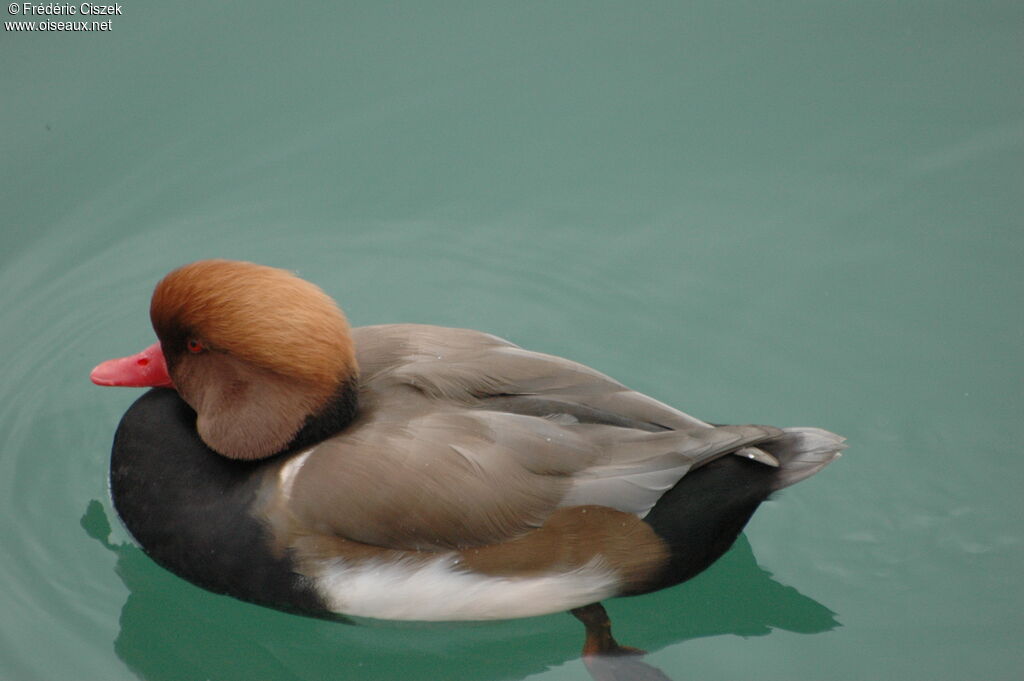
point(332, 419)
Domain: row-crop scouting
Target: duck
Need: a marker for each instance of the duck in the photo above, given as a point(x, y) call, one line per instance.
point(415, 472)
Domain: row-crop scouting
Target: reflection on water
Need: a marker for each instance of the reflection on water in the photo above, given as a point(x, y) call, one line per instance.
point(171, 630)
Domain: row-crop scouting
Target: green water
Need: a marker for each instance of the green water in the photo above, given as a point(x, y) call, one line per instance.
point(794, 213)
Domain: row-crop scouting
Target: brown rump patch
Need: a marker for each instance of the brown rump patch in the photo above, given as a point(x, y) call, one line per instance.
point(570, 539)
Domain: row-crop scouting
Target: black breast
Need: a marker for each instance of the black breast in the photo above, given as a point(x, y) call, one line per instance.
point(190, 508)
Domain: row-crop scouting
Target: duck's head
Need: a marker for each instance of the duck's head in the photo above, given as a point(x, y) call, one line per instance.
point(257, 352)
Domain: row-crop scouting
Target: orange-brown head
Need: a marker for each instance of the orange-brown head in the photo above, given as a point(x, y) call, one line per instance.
point(255, 350)
point(268, 316)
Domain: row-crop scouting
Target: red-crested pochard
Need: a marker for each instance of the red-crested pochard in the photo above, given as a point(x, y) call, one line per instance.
point(415, 472)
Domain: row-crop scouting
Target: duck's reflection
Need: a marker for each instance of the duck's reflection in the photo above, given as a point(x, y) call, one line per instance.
point(171, 630)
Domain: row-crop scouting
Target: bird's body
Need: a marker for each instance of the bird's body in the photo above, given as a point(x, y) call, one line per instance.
point(412, 471)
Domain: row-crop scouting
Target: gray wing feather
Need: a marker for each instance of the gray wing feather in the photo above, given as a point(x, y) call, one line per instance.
point(635, 469)
point(604, 443)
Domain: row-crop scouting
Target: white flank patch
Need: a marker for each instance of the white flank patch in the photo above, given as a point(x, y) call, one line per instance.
point(438, 591)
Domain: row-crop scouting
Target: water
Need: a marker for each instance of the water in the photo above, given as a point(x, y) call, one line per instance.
point(795, 213)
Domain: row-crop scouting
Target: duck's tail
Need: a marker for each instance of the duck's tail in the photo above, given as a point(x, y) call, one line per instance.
point(802, 452)
point(703, 514)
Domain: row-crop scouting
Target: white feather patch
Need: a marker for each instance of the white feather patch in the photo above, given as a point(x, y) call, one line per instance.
point(286, 476)
point(437, 590)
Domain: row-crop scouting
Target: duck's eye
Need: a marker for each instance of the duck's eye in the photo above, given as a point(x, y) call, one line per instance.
point(195, 347)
